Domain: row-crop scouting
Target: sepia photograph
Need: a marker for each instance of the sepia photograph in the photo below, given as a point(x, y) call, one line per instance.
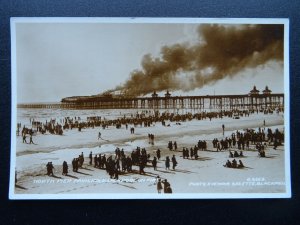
point(149, 108)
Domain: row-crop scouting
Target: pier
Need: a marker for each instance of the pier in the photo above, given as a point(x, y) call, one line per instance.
point(211, 102)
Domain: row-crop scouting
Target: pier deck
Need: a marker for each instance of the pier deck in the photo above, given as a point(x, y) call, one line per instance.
point(219, 102)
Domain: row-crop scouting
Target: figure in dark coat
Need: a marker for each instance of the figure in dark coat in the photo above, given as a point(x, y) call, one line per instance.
point(91, 158)
point(96, 161)
point(50, 169)
point(234, 163)
point(236, 154)
point(154, 163)
point(24, 138)
point(158, 153)
point(159, 186)
point(65, 168)
point(241, 165)
point(174, 162)
point(167, 163)
point(30, 140)
point(228, 164)
point(167, 186)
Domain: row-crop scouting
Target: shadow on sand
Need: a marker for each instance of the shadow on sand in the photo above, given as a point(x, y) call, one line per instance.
point(68, 175)
point(20, 187)
point(57, 177)
point(183, 171)
point(268, 157)
point(84, 168)
point(54, 176)
point(239, 168)
point(199, 158)
point(166, 171)
point(124, 185)
point(247, 167)
point(148, 174)
point(83, 173)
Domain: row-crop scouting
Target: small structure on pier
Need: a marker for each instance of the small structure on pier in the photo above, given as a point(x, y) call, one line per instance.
point(254, 91)
point(167, 95)
point(154, 95)
point(267, 91)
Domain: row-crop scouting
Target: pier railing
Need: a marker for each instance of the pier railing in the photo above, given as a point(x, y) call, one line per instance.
point(44, 105)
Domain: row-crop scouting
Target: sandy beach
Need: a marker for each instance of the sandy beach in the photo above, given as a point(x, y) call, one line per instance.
point(204, 175)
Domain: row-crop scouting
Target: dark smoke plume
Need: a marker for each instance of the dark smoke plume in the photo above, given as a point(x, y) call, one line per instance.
point(222, 52)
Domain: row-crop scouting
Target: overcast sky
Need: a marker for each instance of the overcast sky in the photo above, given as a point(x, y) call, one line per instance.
point(57, 60)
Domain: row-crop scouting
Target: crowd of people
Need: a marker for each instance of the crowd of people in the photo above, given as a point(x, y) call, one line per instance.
point(192, 153)
point(172, 146)
point(243, 140)
point(145, 118)
point(77, 162)
point(151, 139)
point(120, 163)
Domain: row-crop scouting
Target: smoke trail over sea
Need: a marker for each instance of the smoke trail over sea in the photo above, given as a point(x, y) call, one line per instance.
point(221, 51)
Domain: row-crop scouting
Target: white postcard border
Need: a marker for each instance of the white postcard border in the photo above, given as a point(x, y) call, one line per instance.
point(283, 21)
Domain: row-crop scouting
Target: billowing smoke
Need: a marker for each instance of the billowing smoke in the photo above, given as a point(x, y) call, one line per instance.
point(222, 51)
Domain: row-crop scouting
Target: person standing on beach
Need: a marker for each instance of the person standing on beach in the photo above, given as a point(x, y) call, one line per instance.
point(91, 158)
point(50, 169)
point(159, 186)
point(30, 140)
point(191, 152)
point(158, 153)
point(154, 163)
point(99, 135)
point(96, 161)
point(73, 164)
point(174, 162)
point(167, 163)
point(81, 157)
point(175, 145)
point(167, 186)
point(76, 164)
point(223, 128)
point(141, 165)
point(24, 138)
point(65, 168)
